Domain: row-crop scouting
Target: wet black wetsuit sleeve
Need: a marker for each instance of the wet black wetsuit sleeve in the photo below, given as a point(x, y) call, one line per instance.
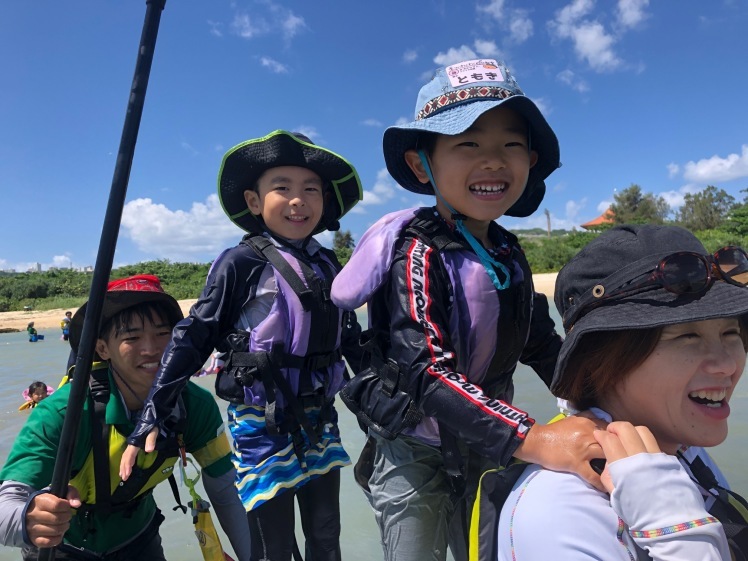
point(230, 285)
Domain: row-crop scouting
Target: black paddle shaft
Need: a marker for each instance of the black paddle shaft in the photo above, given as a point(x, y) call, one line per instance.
point(105, 256)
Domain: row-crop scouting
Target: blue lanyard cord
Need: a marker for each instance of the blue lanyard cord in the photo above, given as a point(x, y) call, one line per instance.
point(489, 263)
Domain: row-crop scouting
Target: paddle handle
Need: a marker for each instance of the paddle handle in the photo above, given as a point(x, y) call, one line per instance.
point(105, 256)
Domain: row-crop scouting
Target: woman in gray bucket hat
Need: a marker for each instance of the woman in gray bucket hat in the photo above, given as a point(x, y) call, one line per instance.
point(656, 339)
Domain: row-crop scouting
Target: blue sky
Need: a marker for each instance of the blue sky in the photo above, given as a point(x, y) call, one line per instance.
point(638, 91)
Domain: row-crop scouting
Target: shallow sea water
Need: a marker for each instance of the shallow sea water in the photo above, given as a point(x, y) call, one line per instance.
point(22, 362)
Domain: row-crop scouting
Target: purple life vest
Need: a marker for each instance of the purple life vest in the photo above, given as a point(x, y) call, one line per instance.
point(311, 335)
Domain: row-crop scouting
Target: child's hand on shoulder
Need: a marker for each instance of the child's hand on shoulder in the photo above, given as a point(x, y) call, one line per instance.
point(566, 445)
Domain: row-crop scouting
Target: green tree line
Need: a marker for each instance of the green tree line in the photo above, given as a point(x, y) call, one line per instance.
point(713, 215)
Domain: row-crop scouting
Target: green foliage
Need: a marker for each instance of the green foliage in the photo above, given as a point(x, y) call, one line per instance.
point(66, 289)
point(577, 240)
point(537, 232)
point(342, 240)
point(716, 239)
point(547, 255)
point(343, 254)
point(737, 218)
point(181, 280)
point(631, 206)
point(705, 210)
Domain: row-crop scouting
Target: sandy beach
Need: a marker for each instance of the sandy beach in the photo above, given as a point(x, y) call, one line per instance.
point(50, 319)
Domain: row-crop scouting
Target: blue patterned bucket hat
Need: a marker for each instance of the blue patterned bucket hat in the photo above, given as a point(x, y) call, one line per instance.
point(451, 102)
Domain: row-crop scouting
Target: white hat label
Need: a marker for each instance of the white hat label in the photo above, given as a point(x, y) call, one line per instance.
point(470, 71)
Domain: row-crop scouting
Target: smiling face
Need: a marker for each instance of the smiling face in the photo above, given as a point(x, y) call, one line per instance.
point(38, 395)
point(483, 171)
point(134, 354)
point(681, 391)
point(290, 200)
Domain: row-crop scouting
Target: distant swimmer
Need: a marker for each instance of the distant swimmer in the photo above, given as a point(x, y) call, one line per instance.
point(65, 325)
point(33, 335)
point(34, 394)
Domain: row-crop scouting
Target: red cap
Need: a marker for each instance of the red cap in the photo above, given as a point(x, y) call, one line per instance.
point(136, 283)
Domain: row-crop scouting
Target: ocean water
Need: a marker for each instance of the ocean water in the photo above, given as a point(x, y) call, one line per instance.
point(22, 362)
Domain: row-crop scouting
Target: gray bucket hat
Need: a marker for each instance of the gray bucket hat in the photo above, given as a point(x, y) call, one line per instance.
point(611, 261)
point(243, 165)
point(451, 102)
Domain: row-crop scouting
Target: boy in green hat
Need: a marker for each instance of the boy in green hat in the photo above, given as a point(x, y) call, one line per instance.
point(266, 305)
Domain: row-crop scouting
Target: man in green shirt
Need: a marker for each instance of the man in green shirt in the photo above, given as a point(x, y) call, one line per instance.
point(103, 518)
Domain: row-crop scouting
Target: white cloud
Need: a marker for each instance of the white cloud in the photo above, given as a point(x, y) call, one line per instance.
point(520, 26)
point(673, 170)
point(543, 105)
point(594, 45)
point(384, 189)
point(410, 56)
point(455, 55)
point(481, 47)
point(244, 27)
point(187, 147)
point(62, 261)
point(572, 80)
point(194, 235)
point(292, 24)
point(274, 66)
point(603, 206)
point(675, 198)
point(716, 169)
point(214, 28)
point(591, 42)
point(325, 238)
point(569, 15)
point(402, 121)
point(278, 20)
point(631, 12)
point(310, 132)
point(487, 48)
point(516, 21)
point(372, 123)
point(495, 9)
point(572, 208)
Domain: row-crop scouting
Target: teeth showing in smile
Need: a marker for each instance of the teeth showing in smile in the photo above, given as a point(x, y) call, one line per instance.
point(149, 365)
point(710, 398)
point(495, 188)
point(295, 218)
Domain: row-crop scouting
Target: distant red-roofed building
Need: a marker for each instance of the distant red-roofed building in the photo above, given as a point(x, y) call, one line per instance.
point(605, 218)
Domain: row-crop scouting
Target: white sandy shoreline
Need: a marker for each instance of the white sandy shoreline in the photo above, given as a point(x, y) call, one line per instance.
point(49, 320)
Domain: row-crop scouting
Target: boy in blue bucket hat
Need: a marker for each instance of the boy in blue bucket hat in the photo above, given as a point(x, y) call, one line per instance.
point(452, 311)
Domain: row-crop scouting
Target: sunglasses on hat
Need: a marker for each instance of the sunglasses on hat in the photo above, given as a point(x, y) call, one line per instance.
point(684, 272)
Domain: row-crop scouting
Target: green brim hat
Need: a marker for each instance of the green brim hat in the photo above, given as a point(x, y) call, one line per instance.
point(243, 165)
